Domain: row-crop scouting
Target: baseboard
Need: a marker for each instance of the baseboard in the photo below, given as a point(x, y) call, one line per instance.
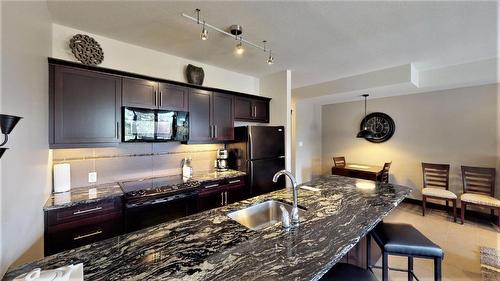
point(468, 213)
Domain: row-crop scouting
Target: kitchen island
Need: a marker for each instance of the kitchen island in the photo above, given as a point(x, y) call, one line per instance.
point(211, 246)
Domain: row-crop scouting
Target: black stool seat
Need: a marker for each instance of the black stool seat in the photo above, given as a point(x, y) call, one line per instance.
point(399, 238)
point(348, 272)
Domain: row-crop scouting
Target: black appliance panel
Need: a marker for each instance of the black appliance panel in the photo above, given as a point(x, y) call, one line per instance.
point(266, 142)
point(261, 174)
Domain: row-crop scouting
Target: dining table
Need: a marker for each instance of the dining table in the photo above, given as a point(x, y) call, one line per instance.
point(360, 171)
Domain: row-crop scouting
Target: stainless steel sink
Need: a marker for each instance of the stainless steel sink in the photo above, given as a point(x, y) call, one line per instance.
point(261, 215)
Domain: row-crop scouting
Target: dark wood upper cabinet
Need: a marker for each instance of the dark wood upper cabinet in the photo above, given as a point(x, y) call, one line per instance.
point(173, 97)
point(200, 128)
point(85, 108)
point(140, 93)
point(252, 110)
point(222, 117)
point(211, 117)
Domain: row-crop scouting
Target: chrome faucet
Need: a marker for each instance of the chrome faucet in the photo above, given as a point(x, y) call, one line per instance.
point(295, 208)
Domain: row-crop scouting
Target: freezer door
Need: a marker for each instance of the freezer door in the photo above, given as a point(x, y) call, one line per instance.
point(266, 142)
point(261, 175)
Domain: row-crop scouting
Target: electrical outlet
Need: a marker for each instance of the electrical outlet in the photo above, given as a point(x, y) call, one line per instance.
point(92, 177)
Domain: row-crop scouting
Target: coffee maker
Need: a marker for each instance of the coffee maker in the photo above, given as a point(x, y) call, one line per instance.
point(221, 162)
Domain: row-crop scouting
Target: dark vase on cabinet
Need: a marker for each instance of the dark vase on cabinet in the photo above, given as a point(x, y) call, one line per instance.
point(211, 117)
point(84, 108)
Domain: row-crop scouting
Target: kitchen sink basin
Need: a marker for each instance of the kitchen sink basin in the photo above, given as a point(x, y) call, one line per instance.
point(262, 215)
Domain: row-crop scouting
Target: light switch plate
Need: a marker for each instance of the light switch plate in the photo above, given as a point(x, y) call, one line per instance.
point(92, 177)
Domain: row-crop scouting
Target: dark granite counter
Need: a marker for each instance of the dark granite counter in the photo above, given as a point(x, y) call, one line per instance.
point(210, 246)
point(84, 195)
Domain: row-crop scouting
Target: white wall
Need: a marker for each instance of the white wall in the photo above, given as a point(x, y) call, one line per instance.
point(457, 126)
point(278, 87)
point(127, 57)
point(307, 141)
point(26, 180)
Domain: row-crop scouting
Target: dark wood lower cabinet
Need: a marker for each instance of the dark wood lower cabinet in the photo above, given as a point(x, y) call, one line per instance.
point(219, 193)
point(72, 227)
point(358, 254)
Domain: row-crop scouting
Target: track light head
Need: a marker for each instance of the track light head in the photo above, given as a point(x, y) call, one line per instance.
point(270, 60)
point(239, 48)
point(204, 32)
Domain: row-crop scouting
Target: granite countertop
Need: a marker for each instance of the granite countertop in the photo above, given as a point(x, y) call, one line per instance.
point(211, 246)
point(84, 195)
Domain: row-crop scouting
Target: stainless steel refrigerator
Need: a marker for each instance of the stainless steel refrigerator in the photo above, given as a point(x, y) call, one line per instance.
point(260, 152)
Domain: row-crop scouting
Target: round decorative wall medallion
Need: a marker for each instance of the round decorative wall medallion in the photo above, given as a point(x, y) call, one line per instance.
point(86, 49)
point(381, 125)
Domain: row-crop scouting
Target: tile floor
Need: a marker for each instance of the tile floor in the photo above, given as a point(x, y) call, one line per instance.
point(460, 244)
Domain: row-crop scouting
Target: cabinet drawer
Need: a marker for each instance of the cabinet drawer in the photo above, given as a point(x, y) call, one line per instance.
point(84, 211)
point(75, 237)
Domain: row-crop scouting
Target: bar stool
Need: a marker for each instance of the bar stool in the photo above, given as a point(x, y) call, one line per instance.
point(405, 240)
point(348, 272)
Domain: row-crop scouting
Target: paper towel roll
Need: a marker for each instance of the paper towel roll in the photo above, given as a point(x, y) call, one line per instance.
point(62, 177)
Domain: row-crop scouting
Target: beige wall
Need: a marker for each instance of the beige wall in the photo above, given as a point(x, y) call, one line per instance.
point(457, 126)
point(25, 181)
point(133, 58)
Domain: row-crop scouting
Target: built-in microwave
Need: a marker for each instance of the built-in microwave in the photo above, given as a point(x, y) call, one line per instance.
point(154, 125)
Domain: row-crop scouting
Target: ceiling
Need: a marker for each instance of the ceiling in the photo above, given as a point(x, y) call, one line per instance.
point(318, 41)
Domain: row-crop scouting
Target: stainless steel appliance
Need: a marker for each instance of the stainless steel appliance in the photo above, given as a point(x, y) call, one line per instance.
point(156, 200)
point(221, 162)
point(153, 125)
point(260, 152)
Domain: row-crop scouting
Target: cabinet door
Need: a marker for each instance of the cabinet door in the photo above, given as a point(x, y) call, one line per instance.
point(222, 117)
point(140, 93)
point(200, 129)
point(243, 108)
point(261, 110)
point(210, 199)
point(173, 97)
point(86, 108)
point(236, 193)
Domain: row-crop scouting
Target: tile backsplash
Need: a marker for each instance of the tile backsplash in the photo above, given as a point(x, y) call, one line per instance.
point(134, 160)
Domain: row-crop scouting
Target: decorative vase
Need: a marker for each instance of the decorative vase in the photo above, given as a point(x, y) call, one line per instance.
point(194, 74)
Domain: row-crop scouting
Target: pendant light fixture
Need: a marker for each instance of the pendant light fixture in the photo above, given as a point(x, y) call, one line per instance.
point(365, 133)
point(235, 31)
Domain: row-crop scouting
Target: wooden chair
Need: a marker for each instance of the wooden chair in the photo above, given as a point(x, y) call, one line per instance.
point(339, 161)
point(436, 185)
point(384, 176)
point(479, 189)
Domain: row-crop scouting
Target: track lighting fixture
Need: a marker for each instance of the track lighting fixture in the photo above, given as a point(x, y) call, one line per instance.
point(204, 32)
point(239, 48)
point(235, 32)
point(270, 60)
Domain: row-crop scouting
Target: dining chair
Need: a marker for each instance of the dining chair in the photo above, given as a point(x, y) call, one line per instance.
point(384, 176)
point(339, 161)
point(479, 189)
point(436, 179)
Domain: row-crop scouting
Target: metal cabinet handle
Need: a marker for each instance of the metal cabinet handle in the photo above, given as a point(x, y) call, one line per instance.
point(235, 181)
point(161, 99)
point(79, 212)
point(118, 130)
point(254, 111)
point(222, 198)
point(215, 131)
point(226, 197)
point(87, 235)
point(156, 98)
point(211, 131)
point(212, 185)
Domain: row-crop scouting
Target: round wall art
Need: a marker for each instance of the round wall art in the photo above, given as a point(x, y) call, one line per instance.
point(86, 49)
